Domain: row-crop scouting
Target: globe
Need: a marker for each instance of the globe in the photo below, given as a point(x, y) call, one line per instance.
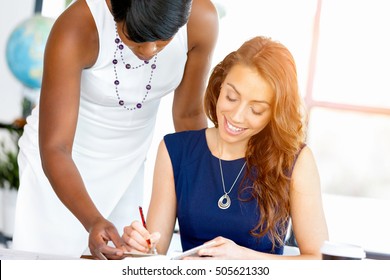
point(25, 49)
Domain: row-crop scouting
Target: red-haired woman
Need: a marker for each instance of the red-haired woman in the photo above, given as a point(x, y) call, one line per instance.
point(240, 182)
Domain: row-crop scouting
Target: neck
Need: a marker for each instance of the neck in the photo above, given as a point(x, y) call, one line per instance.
point(226, 150)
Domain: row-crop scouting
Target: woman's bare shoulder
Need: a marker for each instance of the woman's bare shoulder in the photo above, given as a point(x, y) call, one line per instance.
point(75, 33)
point(203, 23)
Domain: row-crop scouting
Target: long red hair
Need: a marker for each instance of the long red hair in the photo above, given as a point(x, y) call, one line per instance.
point(271, 153)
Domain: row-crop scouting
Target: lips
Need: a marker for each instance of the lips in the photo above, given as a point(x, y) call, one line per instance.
point(233, 129)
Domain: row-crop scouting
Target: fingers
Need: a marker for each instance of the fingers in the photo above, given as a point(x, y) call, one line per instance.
point(154, 239)
point(215, 249)
point(139, 238)
point(100, 234)
point(107, 252)
point(135, 236)
point(99, 255)
point(138, 227)
point(118, 242)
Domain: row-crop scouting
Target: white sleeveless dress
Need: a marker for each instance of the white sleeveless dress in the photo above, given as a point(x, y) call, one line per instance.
point(112, 139)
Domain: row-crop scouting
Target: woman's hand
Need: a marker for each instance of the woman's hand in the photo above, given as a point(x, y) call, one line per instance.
point(100, 233)
point(222, 249)
point(138, 238)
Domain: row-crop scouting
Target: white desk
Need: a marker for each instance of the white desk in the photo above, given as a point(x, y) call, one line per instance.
point(9, 254)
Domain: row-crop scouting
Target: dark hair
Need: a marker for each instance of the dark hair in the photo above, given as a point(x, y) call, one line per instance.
point(151, 20)
point(272, 151)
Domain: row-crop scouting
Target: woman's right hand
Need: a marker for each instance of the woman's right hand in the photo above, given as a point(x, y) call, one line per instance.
point(136, 237)
point(100, 233)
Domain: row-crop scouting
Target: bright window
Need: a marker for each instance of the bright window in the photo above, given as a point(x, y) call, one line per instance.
point(342, 55)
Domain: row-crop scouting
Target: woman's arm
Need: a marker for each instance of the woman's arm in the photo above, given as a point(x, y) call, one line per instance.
point(202, 37)
point(161, 216)
point(307, 212)
point(162, 208)
point(72, 46)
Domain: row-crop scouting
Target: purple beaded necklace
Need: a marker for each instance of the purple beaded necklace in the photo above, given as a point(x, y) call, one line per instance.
point(119, 52)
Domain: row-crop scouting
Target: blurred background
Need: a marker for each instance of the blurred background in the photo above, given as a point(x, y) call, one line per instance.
point(342, 55)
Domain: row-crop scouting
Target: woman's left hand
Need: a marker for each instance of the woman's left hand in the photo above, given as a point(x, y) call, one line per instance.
point(222, 249)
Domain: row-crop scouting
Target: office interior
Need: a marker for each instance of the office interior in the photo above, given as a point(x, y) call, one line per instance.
point(341, 51)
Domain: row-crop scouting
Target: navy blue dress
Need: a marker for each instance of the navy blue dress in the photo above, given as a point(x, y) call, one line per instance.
point(199, 187)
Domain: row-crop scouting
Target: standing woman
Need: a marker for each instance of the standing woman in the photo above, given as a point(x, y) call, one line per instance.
point(240, 182)
point(107, 65)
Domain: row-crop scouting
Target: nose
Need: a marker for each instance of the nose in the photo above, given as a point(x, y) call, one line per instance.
point(147, 50)
point(238, 114)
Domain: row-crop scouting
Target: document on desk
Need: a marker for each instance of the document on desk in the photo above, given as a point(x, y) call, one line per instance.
point(193, 251)
point(145, 255)
point(177, 256)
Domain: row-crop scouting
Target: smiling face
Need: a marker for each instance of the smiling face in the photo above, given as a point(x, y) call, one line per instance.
point(244, 105)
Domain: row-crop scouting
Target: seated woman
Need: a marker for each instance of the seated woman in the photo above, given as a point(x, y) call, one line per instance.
point(240, 182)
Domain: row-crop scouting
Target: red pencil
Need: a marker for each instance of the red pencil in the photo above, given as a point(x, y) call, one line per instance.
point(141, 212)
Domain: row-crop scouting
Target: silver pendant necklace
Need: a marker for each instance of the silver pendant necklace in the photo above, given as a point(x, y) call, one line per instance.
point(224, 202)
